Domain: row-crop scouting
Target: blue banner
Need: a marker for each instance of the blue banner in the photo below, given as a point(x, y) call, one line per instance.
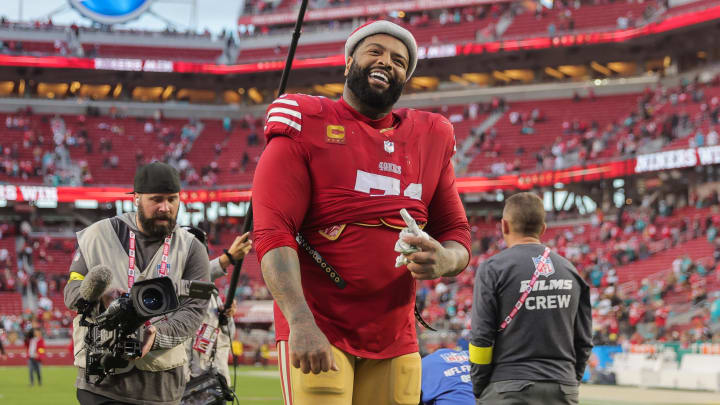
point(600, 359)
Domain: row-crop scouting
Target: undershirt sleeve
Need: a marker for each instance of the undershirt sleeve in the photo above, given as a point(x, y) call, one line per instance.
point(281, 195)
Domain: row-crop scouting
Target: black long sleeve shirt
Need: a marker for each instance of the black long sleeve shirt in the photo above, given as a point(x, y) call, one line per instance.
point(550, 338)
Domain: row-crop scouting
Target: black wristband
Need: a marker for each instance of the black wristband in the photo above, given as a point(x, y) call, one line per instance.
point(230, 258)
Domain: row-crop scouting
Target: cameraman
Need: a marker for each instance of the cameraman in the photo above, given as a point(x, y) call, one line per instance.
point(157, 376)
point(205, 353)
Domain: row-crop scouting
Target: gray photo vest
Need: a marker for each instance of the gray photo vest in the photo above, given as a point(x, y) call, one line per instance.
point(99, 244)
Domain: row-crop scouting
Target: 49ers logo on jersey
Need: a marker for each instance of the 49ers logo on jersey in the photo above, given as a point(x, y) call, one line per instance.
point(335, 134)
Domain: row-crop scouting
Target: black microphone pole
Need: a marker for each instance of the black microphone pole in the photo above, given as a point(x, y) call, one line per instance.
point(247, 225)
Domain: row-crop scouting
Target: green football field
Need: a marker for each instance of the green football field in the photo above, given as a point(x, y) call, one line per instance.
point(255, 386)
point(259, 386)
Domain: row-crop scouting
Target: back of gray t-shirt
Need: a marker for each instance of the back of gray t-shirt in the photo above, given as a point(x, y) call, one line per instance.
point(550, 337)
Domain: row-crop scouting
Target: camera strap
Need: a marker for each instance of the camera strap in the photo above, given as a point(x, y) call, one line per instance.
point(131, 262)
point(538, 268)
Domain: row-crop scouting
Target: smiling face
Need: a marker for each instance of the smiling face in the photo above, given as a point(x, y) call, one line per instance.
point(377, 70)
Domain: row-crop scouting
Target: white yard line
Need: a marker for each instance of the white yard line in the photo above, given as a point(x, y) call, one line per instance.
point(259, 373)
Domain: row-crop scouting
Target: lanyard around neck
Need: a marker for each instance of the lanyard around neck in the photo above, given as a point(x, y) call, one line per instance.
point(538, 267)
point(131, 264)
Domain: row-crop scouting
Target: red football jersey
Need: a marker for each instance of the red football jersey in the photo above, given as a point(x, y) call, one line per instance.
point(340, 179)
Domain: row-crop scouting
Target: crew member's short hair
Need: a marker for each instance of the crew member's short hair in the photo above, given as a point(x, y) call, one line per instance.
point(525, 213)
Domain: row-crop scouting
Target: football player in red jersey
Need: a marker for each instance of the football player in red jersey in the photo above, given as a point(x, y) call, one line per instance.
point(338, 173)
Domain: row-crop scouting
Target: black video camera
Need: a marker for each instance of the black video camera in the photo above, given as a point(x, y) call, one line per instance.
point(112, 341)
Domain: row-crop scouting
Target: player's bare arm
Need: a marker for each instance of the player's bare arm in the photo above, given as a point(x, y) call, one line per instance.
point(309, 348)
point(436, 259)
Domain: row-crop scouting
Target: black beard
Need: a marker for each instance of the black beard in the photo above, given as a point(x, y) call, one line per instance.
point(357, 80)
point(152, 228)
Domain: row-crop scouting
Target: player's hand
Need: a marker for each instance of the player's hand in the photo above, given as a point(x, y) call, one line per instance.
point(111, 295)
point(310, 349)
point(402, 247)
point(240, 246)
point(432, 261)
point(148, 339)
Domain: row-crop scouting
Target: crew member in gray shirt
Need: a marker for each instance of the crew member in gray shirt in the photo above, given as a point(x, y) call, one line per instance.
point(160, 249)
point(528, 348)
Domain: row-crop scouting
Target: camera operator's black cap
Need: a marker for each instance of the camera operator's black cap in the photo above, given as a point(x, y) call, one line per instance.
point(156, 178)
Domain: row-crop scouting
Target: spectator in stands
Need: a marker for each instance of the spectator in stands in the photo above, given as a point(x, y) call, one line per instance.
point(528, 128)
point(712, 137)
point(551, 29)
point(622, 22)
point(35, 350)
point(252, 139)
point(111, 162)
point(472, 111)
point(105, 145)
point(699, 138)
point(715, 309)
point(536, 115)
point(245, 160)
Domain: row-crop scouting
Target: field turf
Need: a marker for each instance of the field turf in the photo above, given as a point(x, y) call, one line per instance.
point(255, 386)
point(259, 386)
